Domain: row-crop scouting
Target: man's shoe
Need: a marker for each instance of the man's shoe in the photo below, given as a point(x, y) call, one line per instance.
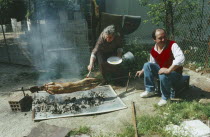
point(146, 94)
point(162, 102)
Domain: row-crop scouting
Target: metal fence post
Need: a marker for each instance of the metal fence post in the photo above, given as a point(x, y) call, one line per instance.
point(9, 59)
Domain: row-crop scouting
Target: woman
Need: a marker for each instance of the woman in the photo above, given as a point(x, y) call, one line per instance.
point(109, 44)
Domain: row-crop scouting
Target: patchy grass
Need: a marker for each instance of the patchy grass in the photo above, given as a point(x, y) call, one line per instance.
point(81, 130)
point(149, 125)
point(185, 110)
point(172, 113)
point(128, 131)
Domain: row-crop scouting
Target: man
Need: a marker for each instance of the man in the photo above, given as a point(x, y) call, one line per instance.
point(166, 60)
point(109, 44)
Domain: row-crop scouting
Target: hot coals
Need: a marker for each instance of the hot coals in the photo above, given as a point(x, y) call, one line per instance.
point(52, 105)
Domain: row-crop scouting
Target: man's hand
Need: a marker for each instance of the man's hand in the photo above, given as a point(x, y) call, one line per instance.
point(139, 73)
point(164, 71)
point(53, 88)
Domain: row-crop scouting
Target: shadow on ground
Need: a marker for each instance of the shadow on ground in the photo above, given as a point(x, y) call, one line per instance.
point(194, 93)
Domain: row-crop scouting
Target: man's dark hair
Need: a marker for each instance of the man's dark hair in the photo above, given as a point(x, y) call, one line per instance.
point(154, 31)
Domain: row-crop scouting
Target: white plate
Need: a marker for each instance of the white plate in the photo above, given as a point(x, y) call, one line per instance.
point(114, 60)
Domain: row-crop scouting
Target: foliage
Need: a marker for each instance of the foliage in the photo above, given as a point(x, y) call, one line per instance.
point(81, 130)
point(48, 9)
point(172, 113)
point(167, 13)
point(5, 9)
point(195, 56)
point(12, 9)
point(149, 125)
point(140, 52)
point(185, 110)
point(128, 131)
point(181, 19)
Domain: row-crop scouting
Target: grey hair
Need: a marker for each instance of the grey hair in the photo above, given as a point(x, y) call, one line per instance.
point(110, 30)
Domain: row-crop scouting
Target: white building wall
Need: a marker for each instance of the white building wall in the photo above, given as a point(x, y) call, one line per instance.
point(132, 7)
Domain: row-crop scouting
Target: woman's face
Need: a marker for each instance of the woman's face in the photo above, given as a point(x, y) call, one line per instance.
point(109, 38)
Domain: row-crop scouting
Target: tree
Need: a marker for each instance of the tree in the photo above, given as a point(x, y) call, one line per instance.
point(47, 9)
point(12, 9)
point(5, 10)
point(167, 13)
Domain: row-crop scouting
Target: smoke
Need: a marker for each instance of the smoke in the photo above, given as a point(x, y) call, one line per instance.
point(60, 50)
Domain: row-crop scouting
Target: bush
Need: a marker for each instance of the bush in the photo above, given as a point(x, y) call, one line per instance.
point(141, 53)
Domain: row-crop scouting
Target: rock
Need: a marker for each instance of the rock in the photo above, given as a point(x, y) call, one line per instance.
point(204, 101)
point(192, 128)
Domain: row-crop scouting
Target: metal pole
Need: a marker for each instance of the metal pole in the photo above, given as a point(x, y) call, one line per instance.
point(4, 37)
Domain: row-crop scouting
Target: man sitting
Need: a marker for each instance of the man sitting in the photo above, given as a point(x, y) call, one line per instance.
point(166, 60)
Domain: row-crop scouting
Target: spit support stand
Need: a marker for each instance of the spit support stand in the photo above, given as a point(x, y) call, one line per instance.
point(129, 75)
point(23, 91)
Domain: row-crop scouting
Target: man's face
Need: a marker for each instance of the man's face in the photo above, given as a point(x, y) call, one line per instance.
point(160, 38)
point(109, 38)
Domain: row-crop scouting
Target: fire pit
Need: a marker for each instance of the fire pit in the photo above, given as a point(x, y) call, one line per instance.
point(98, 100)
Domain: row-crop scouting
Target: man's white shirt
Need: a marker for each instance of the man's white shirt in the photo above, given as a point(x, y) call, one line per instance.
point(177, 53)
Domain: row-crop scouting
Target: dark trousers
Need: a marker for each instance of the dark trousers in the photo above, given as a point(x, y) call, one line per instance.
point(108, 70)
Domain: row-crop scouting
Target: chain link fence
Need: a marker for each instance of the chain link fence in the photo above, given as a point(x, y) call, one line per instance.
point(68, 42)
point(48, 45)
point(191, 32)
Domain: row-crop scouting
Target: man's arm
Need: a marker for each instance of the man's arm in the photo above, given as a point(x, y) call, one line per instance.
point(179, 57)
point(168, 70)
point(177, 62)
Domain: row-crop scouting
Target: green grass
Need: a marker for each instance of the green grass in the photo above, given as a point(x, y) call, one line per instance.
point(128, 131)
point(186, 110)
point(148, 125)
point(172, 113)
point(81, 130)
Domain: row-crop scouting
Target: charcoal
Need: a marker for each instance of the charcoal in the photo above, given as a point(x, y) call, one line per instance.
point(69, 105)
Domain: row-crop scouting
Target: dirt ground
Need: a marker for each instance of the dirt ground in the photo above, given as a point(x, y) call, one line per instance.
point(19, 124)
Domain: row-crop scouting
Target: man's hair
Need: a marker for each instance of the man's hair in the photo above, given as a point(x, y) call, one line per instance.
point(154, 31)
point(110, 30)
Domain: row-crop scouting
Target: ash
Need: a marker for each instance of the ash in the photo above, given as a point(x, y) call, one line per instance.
point(45, 104)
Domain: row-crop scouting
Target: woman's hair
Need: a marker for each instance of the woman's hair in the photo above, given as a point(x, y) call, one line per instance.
point(110, 30)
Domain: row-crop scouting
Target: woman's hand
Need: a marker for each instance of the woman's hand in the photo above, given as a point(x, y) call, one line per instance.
point(90, 67)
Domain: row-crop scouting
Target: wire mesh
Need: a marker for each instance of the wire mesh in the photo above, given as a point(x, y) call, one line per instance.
point(46, 45)
point(191, 32)
point(22, 44)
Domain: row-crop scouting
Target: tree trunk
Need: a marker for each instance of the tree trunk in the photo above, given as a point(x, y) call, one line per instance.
point(169, 23)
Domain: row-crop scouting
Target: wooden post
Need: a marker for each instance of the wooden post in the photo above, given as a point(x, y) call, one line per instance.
point(134, 119)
